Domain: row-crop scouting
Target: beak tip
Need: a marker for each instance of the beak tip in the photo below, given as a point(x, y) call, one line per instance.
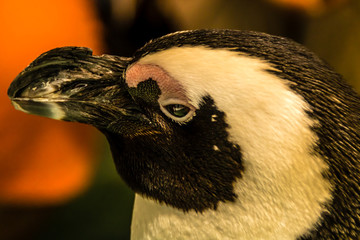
point(47, 62)
point(11, 92)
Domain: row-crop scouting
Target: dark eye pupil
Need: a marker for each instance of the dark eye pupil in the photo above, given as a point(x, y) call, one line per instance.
point(178, 110)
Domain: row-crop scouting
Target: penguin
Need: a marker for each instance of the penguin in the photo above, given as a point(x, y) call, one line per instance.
point(221, 134)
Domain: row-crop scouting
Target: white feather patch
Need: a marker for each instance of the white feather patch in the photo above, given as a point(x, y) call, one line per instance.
point(282, 190)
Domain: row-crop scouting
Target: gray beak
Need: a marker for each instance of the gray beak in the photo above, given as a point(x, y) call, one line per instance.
point(71, 84)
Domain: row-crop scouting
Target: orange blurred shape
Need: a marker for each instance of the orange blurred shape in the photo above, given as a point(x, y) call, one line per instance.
point(42, 161)
point(312, 7)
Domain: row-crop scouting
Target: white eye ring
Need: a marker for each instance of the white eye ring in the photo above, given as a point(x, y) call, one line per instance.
point(178, 110)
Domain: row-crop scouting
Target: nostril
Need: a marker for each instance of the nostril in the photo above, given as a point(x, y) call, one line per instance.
point(80, 85)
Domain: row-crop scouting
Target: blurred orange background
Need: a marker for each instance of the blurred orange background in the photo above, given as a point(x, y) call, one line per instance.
point(42, 161)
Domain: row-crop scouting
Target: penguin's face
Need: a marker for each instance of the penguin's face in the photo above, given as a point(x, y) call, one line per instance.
point(167, 143)
point(199, 118)
point(187, 158)
point(179, 115)
point(202, 134)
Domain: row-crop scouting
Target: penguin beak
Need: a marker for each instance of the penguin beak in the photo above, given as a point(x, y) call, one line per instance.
point(71, 84)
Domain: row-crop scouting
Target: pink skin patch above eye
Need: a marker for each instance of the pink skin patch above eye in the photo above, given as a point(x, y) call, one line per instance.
point(170, 87)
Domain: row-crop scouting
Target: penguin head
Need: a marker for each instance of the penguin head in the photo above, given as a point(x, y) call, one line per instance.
point(178, 113)
point(203, 117)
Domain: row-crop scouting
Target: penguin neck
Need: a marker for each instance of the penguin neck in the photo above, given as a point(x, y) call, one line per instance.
point(284, 208)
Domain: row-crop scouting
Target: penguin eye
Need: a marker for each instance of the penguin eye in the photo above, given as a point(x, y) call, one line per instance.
point(177, 110)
